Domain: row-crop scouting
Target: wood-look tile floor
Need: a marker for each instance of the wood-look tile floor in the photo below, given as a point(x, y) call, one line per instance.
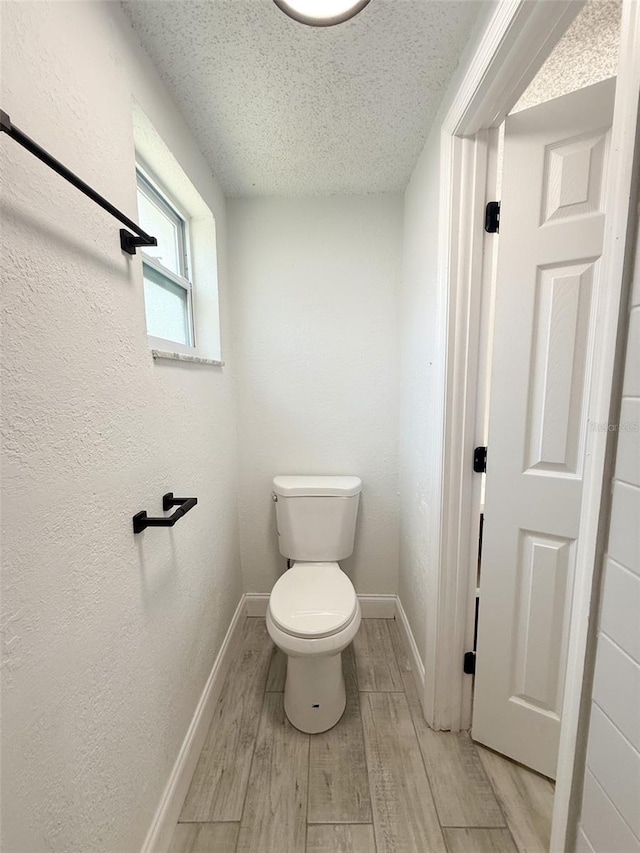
point(380, 781)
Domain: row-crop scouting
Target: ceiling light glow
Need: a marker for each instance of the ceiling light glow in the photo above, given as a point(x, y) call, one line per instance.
point(321, 13)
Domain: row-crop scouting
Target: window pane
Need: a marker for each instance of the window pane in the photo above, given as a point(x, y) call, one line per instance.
point(167, 307)
point(155, 221)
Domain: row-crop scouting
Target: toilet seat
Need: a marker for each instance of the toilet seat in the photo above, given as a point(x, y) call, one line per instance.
point(313, 600)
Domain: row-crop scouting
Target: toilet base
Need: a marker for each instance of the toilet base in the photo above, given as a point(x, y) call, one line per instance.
point(314, 692)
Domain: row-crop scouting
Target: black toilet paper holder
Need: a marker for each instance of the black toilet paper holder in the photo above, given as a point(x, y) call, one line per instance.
point(141, 520)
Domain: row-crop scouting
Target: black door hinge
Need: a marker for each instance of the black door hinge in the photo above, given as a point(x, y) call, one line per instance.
point(492, 218)
point(469, 665)
point(480, 460)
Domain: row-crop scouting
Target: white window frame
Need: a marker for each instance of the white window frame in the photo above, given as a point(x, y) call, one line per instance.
point(149, 186)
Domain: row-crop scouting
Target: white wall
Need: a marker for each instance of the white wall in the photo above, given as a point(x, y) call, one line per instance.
point(610, 815)
point(423, 317)
point(422, 390)
point(108, 638)
point(315, 284)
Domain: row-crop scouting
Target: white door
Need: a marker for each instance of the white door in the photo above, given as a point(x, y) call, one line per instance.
point(551, 236)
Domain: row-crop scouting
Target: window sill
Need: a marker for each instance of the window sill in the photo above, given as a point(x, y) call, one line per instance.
point(179, 356)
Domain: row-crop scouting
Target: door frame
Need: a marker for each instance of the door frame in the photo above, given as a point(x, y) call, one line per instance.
point(519, 37)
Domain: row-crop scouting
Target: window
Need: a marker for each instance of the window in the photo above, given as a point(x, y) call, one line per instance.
point(181, 293)
point(168, 292)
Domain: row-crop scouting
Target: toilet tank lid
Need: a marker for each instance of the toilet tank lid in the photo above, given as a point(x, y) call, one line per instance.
point(316, 486)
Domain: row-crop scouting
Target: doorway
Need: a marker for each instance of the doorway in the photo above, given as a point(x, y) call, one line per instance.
point(471, 148)
point(546, 236)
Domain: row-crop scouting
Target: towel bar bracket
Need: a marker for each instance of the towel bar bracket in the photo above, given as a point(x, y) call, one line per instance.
point(128, 241)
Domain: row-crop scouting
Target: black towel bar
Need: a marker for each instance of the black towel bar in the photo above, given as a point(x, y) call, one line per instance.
point(141, 520)
point(128, 241)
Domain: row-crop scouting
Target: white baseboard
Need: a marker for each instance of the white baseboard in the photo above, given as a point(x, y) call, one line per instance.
point(378, 606)
point(372, 606)
point(411, 647)
point(256, 603)
point(164, 822)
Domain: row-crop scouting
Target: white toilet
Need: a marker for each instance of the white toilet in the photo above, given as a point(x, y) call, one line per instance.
point(313, 611)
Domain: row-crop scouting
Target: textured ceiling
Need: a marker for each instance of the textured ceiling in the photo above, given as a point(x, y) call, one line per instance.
point(586, 54)
point(280, 108)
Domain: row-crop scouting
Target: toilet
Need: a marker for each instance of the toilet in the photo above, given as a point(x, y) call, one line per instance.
point(313, 611)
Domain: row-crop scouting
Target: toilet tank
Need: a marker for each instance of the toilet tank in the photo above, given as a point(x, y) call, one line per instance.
point(316, 516)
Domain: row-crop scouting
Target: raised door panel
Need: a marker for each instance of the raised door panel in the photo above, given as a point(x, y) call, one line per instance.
point(545, 569)
point(574, 177)
point(562, 322)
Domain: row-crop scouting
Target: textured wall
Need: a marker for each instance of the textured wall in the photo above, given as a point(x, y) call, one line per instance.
point(315, 285)
point(610, 817)
point(586, 54)
point(108, 639)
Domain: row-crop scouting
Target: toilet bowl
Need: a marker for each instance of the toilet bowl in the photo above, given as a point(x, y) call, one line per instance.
point(313, 615)
point(313, 611)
